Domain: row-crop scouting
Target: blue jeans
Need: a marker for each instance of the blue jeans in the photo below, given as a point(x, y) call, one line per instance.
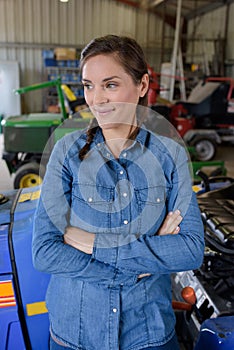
point(171, 345)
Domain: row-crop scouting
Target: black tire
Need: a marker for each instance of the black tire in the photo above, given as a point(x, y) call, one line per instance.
point(29, 175)
point(205, 149)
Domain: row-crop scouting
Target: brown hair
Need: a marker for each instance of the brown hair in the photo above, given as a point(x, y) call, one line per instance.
point(130, 56)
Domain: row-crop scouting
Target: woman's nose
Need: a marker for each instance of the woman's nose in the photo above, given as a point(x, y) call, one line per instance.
point(100, 96)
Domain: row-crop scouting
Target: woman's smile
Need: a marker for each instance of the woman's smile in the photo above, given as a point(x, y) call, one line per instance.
point(103, 111)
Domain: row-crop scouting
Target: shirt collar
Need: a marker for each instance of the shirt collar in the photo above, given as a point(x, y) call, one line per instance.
point(141, 138)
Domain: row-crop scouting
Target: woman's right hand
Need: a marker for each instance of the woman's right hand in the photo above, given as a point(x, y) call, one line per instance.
point(79, 239)
point(171, 223)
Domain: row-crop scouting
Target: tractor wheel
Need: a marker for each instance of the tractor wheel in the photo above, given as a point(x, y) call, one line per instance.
point(205, 149)
point(29, 175)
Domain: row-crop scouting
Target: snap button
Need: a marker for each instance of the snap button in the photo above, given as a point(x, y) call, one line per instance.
point(125, 194)
point(125, 222)
point(158, 200)
point(124, 154)
point(114, 310)
point(90, 199)
point(121, 172)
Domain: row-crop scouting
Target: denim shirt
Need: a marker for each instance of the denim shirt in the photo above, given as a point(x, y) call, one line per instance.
point(97, 301)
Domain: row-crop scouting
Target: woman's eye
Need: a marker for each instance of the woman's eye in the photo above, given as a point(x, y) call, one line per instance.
point(111, 85)
point(87, 86)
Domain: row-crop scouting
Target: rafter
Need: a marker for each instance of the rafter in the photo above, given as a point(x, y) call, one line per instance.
point(168, 18)
point(213, 5)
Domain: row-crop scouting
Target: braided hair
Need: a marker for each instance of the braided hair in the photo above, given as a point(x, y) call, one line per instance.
point(130, 56)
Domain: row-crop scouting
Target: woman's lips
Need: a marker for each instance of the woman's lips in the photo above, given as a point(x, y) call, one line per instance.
point(103, 112)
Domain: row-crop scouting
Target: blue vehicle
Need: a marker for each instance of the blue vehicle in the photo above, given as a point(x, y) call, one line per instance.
point(24, 320)
point(216, 334)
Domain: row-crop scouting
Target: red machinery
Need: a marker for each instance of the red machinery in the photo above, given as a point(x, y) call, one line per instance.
point(206, 119)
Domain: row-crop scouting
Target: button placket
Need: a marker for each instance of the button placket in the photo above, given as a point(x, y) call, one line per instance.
point(125, 197)
point(114, 318)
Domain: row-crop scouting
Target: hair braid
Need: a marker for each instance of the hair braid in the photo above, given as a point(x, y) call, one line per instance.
point(90, 136)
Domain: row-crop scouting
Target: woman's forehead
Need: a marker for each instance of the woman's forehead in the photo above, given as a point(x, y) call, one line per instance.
point(111, 58)
point(101, 65)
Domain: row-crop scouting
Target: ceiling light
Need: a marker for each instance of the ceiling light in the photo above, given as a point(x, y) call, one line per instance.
point(64, 0)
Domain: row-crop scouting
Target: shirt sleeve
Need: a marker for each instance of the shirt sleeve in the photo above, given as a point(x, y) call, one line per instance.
point(49, 252)
point(168, 253)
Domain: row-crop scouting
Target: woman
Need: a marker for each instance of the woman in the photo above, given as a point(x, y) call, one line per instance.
point(116, 215)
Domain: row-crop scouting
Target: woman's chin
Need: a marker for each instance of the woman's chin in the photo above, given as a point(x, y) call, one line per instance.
point(107, 126)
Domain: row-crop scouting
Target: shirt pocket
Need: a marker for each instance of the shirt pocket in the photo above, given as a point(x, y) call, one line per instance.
point(91, 206)
point(152, 208)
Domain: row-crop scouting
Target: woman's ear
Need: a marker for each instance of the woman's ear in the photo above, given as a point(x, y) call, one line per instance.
point(144, 85)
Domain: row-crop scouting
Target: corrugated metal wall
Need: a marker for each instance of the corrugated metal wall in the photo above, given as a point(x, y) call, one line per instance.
point(28, 26)
point(206, 35)
point(230, 45)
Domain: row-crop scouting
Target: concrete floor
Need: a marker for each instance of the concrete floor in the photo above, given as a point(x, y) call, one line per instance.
point(225, 153)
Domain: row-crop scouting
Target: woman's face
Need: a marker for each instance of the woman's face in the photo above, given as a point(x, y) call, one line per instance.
point(110, 92)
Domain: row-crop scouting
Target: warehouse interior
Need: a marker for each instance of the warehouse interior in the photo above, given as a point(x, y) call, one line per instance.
point(189, 49)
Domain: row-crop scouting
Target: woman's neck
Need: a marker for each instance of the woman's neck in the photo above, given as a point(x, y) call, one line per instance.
point(117, 139)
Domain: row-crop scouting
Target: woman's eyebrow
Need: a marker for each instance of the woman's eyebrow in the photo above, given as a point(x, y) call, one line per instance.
point(104, 80)
point(112, 77)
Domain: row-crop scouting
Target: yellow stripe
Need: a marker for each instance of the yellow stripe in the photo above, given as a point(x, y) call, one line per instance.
point(29, 196)
point(196, 188)
point(36, 308)
point(35, 195)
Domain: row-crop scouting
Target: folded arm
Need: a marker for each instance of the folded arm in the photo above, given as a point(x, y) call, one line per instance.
point(177, 246)
point(162, 252)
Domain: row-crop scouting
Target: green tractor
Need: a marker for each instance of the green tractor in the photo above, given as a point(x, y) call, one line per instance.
point(27, 137)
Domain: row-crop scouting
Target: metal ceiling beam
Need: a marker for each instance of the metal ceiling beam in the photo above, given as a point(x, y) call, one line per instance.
point(39, 46)
point(168, 18)
point(130, 3)
point(207, 8)
point(201, 10)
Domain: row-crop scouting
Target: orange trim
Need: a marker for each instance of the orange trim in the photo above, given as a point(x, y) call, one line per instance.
point(2, 305)
point(6, 289)
point(7, 297)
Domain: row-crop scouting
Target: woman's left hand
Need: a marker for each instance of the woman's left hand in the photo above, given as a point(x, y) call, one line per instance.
point(79, 239)
point(171, 224)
